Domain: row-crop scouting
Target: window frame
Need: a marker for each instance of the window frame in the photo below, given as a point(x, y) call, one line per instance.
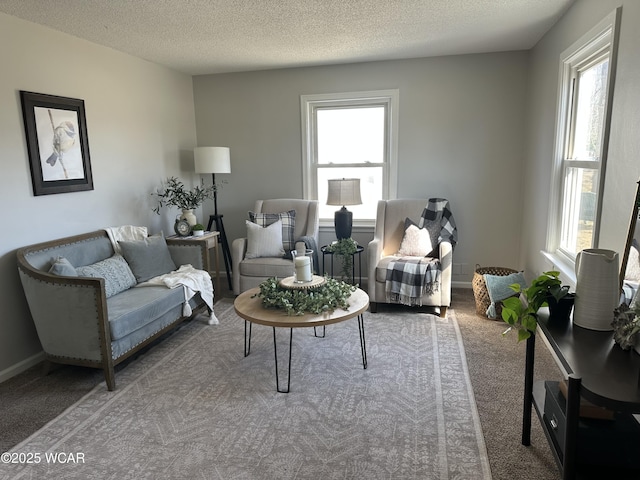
point(588, 50)
point(309, 104)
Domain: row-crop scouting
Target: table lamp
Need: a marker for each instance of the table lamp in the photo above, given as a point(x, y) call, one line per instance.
point(344, 191)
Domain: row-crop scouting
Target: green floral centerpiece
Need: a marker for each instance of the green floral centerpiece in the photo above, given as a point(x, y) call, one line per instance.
point(174, 193)
point(327, 297)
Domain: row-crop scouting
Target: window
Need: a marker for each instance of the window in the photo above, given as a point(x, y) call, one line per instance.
point(350, 135)
point(586, 88)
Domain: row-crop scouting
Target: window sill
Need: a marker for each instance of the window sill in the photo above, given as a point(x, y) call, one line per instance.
point(565, 266)
point(359, 226)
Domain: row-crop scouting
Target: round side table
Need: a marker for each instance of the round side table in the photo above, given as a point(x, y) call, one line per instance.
point(358, 252)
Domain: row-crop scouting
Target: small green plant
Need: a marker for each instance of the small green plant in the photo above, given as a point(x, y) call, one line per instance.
point(523, 316)
point(327, 297)
point(198, 226)
point(345, 248)
point(174, 193)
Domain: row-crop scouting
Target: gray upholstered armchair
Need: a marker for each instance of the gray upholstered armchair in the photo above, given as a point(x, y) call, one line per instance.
point(387, 239)
point(250, 272)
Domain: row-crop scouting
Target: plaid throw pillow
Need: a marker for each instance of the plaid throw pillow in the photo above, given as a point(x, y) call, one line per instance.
point(288, 226)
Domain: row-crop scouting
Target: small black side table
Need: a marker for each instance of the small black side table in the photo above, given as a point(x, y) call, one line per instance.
point(358, 252)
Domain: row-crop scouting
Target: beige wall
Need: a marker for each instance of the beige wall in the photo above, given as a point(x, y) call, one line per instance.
point(141, 128)
point(623, 167)
point(461, 137)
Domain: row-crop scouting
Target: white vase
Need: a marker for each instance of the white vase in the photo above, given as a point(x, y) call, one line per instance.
point(597, 289)
point(189, 216)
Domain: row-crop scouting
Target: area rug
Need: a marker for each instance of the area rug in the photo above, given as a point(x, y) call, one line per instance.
point(194, 407)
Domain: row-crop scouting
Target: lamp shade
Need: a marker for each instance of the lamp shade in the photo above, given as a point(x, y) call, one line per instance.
point(212, 159)
point(344, 191)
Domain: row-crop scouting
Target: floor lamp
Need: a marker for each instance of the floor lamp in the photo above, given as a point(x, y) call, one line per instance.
point(344, 191)
point(216, 160)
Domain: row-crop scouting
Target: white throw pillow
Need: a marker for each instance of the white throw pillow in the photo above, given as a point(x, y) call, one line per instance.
point(264, 241)
point(416, 242)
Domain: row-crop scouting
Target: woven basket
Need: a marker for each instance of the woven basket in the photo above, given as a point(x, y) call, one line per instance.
point(480, 292)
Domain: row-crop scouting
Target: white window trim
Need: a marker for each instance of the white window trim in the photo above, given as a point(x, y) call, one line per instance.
point(390, 97)
point(603, 35)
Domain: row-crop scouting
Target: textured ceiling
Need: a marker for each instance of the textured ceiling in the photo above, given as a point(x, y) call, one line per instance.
point(215, 36)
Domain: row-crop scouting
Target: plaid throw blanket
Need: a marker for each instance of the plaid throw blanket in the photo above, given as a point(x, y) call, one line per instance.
point(438, 211)
point(409, 278)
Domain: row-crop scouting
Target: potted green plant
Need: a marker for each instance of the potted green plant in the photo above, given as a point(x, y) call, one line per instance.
point(174, 193)
point(198, 230)
point(345, 248)
point(522, 313)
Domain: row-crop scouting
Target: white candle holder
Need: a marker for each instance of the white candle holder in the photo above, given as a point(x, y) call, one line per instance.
point(302, 266)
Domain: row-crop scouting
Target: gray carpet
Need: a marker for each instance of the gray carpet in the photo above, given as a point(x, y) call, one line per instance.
point(193, 407)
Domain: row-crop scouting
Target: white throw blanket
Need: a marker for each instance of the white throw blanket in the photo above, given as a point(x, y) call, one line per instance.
point(191, 279)
point(125, 233)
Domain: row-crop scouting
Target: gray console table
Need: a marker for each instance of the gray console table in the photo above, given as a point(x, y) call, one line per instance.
point(600, 372)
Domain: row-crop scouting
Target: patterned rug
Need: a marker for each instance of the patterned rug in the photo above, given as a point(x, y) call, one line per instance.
point(194, 407)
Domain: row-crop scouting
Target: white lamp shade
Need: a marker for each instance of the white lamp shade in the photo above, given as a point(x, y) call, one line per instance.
point(344, 191)
point(212, 159)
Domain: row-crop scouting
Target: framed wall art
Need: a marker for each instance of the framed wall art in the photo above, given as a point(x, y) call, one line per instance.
point(57, 143)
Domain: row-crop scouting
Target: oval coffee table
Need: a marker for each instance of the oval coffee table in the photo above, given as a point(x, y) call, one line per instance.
point(249, 307)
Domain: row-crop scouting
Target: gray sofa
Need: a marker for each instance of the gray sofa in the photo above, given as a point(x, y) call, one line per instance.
point(78, 323)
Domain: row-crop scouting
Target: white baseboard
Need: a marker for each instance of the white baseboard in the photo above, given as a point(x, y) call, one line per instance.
point(20, 367)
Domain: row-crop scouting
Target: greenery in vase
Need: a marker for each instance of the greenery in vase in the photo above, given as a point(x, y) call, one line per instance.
point(345, 248)
point(174, 193)
point(523, 316)
point(198, 226)
point(327, 297)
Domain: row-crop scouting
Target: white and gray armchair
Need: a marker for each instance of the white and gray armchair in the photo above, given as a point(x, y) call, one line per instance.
point(388, 283)
point(250, 272)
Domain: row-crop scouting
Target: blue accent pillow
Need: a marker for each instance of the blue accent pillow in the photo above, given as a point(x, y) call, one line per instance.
point(62, 266)
point(117, 275)
point(148, 258)
point(498, 288)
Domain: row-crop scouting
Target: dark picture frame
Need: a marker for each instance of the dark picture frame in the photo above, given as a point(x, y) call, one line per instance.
point(57, 143)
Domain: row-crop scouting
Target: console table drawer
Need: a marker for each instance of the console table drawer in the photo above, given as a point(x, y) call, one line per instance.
point(600, 442)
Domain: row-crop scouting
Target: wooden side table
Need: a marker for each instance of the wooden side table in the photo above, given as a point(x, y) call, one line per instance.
point(210, 240)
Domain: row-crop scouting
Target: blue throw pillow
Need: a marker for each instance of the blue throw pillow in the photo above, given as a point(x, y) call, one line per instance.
point(498, 288)
point(62, 266)
point(148, 258)
point(117, 275)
